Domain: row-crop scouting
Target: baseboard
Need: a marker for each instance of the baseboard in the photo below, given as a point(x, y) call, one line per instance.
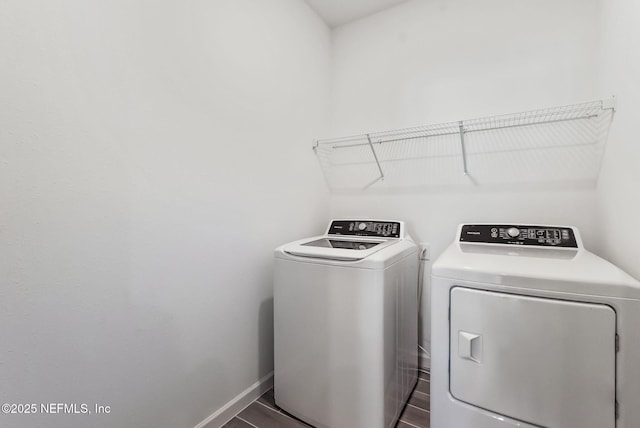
point(424, 360)
point(237, 404)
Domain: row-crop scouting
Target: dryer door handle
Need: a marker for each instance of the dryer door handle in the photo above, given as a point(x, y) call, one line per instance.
point(470, 346)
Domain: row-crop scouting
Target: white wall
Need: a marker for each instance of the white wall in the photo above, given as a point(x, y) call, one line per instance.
point(152, 155)
point(427, 62)
point(435, 61)
point(618, 193)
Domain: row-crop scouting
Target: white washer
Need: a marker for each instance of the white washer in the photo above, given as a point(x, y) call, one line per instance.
point(346, 328)
point(529, 329)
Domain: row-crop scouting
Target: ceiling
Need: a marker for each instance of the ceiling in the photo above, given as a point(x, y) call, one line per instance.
point(338, 12)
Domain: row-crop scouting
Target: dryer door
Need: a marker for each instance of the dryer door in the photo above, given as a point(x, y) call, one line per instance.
point(543, 361)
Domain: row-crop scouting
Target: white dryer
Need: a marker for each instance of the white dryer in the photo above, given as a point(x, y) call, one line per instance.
point(529, 329)
point(346, 328)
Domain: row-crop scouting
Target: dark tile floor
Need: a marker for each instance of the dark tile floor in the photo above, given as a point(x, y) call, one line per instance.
point(263, 413)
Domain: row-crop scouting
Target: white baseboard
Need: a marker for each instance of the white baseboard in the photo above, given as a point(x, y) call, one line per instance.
point(237, 404)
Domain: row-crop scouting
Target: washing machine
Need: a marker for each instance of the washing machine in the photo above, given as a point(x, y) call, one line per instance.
point(345, 324)
point(529, 329)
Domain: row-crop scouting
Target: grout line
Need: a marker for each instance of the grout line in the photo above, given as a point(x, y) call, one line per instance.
point(276, 408)
point(402, 420)
point(410, 424)
point(247, 422)
point(277, 411)
point(416, 407)
point(267, 406)
point(300, 421)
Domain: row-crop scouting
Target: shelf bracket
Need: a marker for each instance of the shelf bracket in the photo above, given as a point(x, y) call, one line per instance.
point(375, 156)
point(609, 103)
point(464, 151)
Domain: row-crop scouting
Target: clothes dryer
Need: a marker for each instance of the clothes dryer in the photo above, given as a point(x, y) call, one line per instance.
point(531, 330)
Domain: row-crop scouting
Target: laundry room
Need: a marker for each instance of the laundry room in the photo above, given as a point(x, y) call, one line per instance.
point(164, 164)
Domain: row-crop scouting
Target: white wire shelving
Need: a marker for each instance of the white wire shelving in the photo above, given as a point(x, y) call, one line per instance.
point(556, 144)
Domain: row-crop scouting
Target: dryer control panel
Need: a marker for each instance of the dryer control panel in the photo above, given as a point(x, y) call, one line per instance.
point(373, 228)
point(512, 234)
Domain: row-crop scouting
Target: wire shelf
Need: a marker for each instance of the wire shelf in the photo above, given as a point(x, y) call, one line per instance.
point(547, 145)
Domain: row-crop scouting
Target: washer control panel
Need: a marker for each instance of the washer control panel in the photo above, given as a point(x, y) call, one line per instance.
point(542, 236)
point(382, 229)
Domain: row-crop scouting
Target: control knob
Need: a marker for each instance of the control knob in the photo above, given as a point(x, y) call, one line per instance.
point(513, 232)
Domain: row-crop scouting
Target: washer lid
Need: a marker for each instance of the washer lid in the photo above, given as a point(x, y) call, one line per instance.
point(341, 243)
point(334, 248)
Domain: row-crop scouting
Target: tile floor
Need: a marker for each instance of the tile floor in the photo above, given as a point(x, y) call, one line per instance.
point(263, 413)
